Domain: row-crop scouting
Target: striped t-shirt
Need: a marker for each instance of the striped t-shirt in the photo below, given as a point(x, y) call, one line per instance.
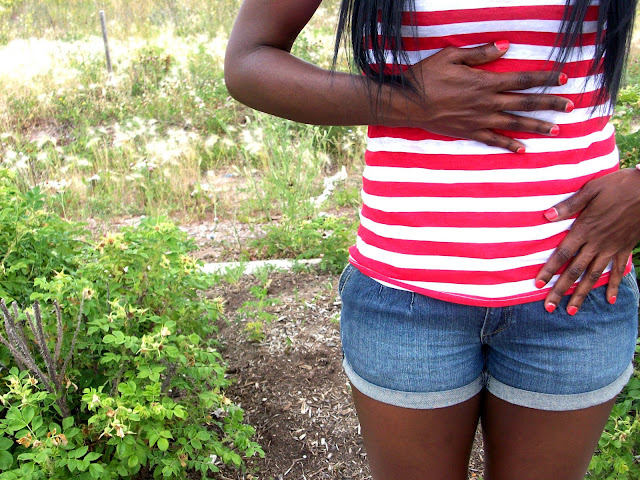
point(459, 220)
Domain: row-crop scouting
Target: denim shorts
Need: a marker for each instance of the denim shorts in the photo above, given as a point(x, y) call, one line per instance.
point(413, 351)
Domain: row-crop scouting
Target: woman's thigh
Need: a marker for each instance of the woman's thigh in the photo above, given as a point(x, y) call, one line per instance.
point(417, 444)
point(522, 443)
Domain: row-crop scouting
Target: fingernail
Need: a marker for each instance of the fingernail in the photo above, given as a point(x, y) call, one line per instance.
point(521, 150)
point(612, 299)
point(554, 131)
point(550, 307)
point(563, 79)
point(551, 214)
point(569, 108)
point(572, 310)
point(502, 45)
point(540, 283)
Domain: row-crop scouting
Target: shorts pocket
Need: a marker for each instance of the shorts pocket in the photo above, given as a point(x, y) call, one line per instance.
point(631, 280)
point(344, 277)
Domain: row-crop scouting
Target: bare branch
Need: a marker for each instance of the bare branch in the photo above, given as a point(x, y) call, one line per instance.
point(10, 326)
point(44, 348)
point(171, 370)
point(73, 342)
point(18, 348)
point(56, 356)
point(117, 378)
point(28, 361)
point(34, 329)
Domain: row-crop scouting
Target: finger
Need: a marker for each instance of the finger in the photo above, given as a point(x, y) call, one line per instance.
point(518, 123)
point(525, 80)
point(561, 256)
point(572, 205)
point(615, 276)
point(588, 280)
point(479, 55)
point(518, 102)
point(494, 139)
point(571, 274)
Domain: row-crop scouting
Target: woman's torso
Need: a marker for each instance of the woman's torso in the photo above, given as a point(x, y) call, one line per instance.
point(462, 221)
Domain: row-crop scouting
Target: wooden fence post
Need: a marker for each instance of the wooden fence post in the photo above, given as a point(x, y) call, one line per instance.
point(103, 21)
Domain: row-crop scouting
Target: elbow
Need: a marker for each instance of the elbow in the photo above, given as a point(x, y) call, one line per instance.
point(232, 76)
point(242, 73)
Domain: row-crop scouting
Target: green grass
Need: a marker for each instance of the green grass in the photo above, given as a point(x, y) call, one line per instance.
point(144, 140)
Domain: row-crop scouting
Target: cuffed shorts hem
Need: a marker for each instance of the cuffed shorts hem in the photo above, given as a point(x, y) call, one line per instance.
point(414, 400)
point(558, 403)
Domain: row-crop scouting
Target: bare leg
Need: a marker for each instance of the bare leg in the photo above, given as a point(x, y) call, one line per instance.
point(407, 444)
point(525, 444)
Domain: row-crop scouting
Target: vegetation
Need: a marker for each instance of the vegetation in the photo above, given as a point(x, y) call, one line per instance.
point(155, 138)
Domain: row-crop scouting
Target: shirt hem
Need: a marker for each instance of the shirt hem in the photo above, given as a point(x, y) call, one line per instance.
point(472, 300)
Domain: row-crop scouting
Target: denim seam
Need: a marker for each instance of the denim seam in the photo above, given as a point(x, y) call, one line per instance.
point(508, 315)
point(633, 284)
point(484, 324)
point(344, 284)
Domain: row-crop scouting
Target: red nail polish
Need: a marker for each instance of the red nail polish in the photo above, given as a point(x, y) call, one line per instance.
point(563, 79)
point(550, 307)
point(551, 214)
point(554, 131)
point(502, 45)
point(521, 150)
point(572, 310)
point(540, 283)
point(569, 108)
point(613, 299)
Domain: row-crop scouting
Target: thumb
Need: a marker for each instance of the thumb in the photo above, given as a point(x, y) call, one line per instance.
point(571, 206)
point(483, 54)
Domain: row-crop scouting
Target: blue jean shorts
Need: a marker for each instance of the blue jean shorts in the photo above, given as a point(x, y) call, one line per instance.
point(413, 351)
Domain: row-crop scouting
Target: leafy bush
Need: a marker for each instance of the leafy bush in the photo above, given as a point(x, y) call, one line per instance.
point(325, 237)
point(619, 445)
point(32, 242)
point(144, 391)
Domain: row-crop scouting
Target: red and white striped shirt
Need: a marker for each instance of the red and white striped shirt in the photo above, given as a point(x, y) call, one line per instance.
point(462, 221)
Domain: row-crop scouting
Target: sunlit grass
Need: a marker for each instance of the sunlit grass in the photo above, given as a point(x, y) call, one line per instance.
point(148, 138)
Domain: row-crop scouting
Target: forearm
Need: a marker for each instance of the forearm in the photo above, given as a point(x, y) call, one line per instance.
point(276, 82)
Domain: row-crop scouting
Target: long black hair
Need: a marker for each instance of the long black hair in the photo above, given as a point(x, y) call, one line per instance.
point(372, 29)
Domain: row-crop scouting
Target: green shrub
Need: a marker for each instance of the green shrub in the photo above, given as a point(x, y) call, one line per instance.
point(325, 237)
point(619, 445)
point(143, 388)
point(33, 243)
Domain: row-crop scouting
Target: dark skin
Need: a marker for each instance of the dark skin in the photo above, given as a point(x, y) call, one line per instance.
point(606, 230)
point(460, 101)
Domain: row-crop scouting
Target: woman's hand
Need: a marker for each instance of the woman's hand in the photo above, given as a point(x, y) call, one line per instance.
point(606, 230)
point(457, 100)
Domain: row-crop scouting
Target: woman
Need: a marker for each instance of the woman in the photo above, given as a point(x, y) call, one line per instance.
point(491, 278)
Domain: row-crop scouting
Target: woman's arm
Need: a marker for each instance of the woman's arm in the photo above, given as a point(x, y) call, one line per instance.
point(453, 98)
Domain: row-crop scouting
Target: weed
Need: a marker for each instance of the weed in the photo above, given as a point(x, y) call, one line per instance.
point(233, 274)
